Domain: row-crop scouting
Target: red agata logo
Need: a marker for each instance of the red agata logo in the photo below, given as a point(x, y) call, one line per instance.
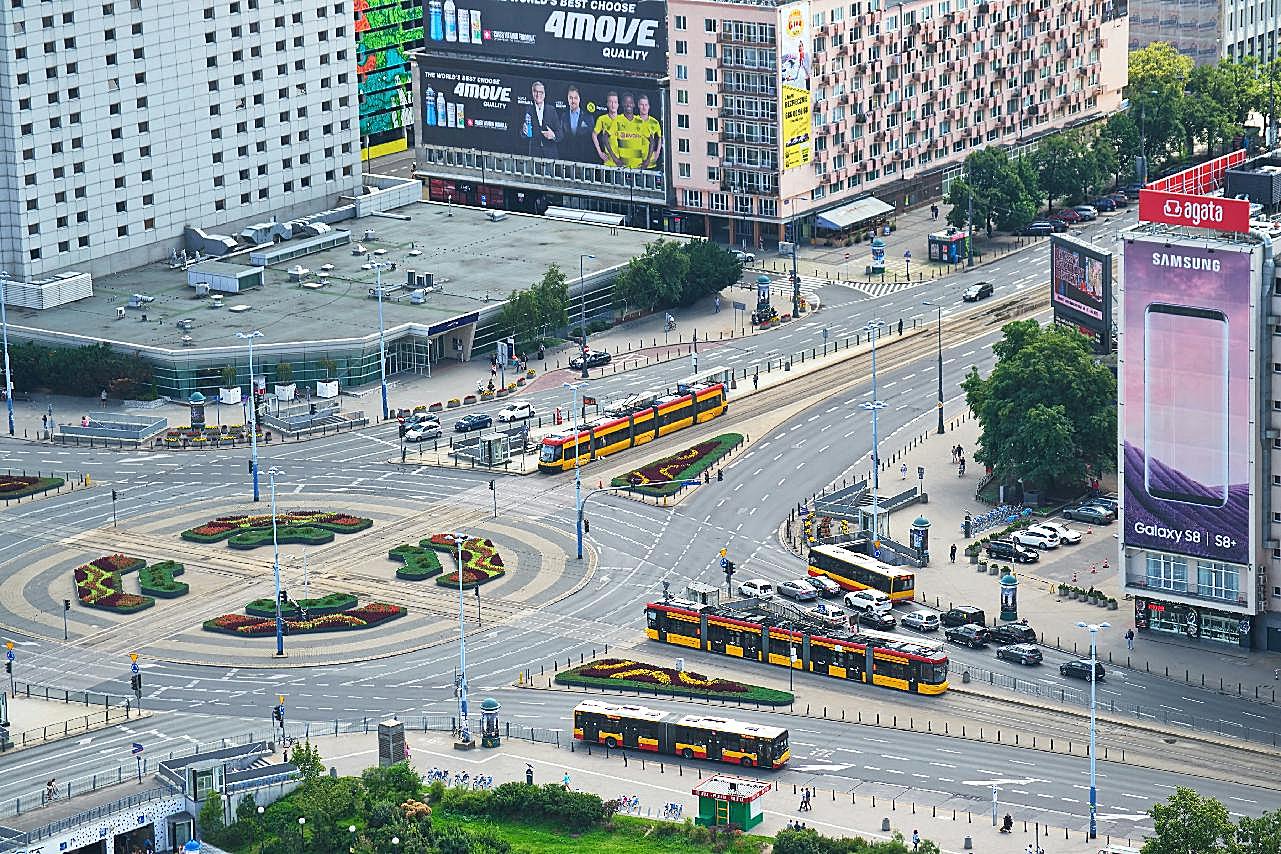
point(1186, 209)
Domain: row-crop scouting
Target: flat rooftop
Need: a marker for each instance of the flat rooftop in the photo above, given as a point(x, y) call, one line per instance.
point(476, 263)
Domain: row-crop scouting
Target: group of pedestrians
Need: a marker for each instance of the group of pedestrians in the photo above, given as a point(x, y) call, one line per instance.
point(806, 795)
point(958, 458)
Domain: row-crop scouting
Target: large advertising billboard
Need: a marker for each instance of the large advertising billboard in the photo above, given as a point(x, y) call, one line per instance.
point(1186, 398)
point(624, 36)
point(610, 121)
point(794, 66)
point(1081, 289)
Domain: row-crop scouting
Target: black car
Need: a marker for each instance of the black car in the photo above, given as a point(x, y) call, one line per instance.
point(1022, 653)
point(1007, 550)
point(962, 614)
point(1104, 203)
point(595, 358)
point(1109, 504)
point(1040, 228)
point(977, 291)
point(475, 421)
point(1013, 633)
point(877, 620)
point(969, 634)
point(1080, 669)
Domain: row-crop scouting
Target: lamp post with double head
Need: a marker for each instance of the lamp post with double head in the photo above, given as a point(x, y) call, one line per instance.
point(1093, 629)
point(873, 330)
point(578, 474)
point(582, 313)
point(275, 563)
point(253, 409)
point(939, 308)
point(379, 266)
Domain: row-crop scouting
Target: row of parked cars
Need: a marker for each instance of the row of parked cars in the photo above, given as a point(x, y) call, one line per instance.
point(1061, 219)
point(1025, 545)
point(425, 426)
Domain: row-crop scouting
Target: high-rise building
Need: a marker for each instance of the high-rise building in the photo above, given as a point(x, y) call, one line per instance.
point(1208, 30)
point(126, 121)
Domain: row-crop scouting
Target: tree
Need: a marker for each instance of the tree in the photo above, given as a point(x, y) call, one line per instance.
point(284, 372)
point(1260, 835)
point(1063, 167)
point(329, 366)
point(1122, 132)
point(1047, 410)
point(210, 819)
point(228, 375)
point(1105, 162)
point(307, 759)
point(711, 268)
point(672, 266)
point(394, 784)
point(1189, 824)
point(1158, 76)
point(1005, 193)
point(638, 286)
point(551, 300)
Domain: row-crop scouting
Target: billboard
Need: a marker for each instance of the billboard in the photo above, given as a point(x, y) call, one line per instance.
point(1081, 289)
point(623, 36)
point(794, 65)
point(1195, 211)
point(603, 120)
point(1186, 398)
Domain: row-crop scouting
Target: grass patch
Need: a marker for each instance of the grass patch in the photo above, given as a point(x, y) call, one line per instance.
point(20, 486)
point(330, 603)
point(624, 673)
point(158, 580)
point(688, 464)
point(302, 527)
point(630, 835)
point(420, 561)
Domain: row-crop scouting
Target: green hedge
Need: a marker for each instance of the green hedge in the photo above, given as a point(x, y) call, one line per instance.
point(158, 580)
point(551, 802)
point(297, 535)
point(752, 694)
point(330, 603)
point(420, 561)
point(722, 445)
point(40, 484)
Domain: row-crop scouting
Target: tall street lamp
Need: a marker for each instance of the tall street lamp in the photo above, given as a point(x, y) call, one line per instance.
point(461, 685)
point(578, 474)
point(382, 341)
point(275, 562)
point(939, 308)
point(253, 410)
point(582, 316)
point(1093, 629)
point(4, 329)
point(873, 330)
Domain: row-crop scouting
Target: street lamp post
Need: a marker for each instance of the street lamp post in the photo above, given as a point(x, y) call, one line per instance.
point(464, 735)
point(8, 375)
point(382, 341)
point(578, 475)
point(939, 308)
point(1093, 629)
point(253, 409)
point(582, 319)
point(275, 562)
point(873, 330)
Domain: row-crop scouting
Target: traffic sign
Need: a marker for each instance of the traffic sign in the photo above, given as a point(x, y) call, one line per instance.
point(724, 563)
point(133, 668)
point(137, 748)
point(133, 656)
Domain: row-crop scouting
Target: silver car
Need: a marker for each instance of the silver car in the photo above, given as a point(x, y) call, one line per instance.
point(921, 621)
point(797, 589)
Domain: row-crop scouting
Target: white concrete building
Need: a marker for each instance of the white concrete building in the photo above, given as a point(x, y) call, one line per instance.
point(1208, 30)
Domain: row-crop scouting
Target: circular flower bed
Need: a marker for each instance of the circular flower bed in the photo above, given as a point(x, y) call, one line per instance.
point(688, 464)
point(481, 561)
point(303, 527)
point(20, 486)
point(624, 673)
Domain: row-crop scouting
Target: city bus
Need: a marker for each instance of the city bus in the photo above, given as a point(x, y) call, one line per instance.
point(856, 571)
point(690, 736)
point(754, 632)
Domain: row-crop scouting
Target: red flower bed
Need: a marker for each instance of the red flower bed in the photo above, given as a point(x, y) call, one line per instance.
point(363, 617)
point(13, 483)
point(98, 584)
point(225, 527)
point(686, 465)
point(481, 561)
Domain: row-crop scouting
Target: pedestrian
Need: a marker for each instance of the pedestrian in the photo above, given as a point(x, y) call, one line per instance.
point(103, 397)
point(718, 303)
point(44, 422)
point(756, 381)
point(529, 774)
point(900, 326)
point(565, 781)
point(413, 167)
point(916, 839)
point(960, 452)
point(952, 554)
point(1129, 640)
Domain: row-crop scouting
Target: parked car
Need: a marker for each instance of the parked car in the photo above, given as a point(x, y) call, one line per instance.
point(868, 600)
point(475, 421)
point(1067, 535)
point(1010, 550)
point(1089, 213)
point(595, 358)
point(921, 621)
point(1132, 190)
point(1036, 538)
point(1058, 225)
point(423, 432)
point(881, 621)
point(1013, 633)
point(1106, 503)
point(824, 586)
point(1080, 669)
point(1039, 228)
point(1091, 513)
point(1021, 653)
point(969, 635)
point(1067, 215)
point(744, 257)
point(962, 614)
point(830, 614)
point(1104, 203)
point(516, 412)
point(1121, 200)
point(977, 291)
point(798, 589)
point(758, 587)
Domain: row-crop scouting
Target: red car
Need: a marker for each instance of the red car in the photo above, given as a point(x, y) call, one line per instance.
point(1067, 215)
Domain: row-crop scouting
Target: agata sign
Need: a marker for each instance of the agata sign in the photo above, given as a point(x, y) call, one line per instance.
point(1210, 212)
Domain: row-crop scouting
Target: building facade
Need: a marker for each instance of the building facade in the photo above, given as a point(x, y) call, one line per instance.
point(387, 32)
point(126, 121)
point(1208, 30)
point(899, 94)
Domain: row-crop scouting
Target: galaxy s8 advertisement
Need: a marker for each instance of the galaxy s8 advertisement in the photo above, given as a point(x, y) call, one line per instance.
point(1186, 394)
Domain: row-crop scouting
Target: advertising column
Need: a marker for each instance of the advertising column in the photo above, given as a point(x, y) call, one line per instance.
point(794, 66)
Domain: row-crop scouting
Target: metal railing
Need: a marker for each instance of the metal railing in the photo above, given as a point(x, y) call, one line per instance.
point(91, 815)
point(32, 690)
point(62, 729)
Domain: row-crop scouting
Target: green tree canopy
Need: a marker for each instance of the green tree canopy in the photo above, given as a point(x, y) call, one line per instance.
point(1005, 193)
point(1189, 824)
point(1064, 167)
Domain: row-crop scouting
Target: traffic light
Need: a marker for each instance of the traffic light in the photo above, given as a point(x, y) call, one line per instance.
point(720, 475)
point(275, 713)
point(66, 604)
point(8, 667)
point(113, 495)
point(135, 682)
point(284, 597)
point(251, 466)
point(587, 525)
point(729, 571)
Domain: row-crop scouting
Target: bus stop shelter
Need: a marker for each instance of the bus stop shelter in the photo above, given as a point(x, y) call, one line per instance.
point(724, 800)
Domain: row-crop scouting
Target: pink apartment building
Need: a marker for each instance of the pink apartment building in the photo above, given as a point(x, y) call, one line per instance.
point(871, 101)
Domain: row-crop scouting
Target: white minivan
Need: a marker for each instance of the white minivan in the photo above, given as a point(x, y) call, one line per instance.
point(869, 600)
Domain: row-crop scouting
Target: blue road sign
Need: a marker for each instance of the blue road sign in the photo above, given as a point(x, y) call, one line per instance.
point(739, 306)
point(724, 563)
point(133, 668)
point(137, 748)
point(9, 655)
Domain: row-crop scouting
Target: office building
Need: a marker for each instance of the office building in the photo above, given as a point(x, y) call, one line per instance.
point(1208, 30)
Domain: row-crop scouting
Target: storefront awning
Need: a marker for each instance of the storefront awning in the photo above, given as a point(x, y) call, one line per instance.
point(852, 214)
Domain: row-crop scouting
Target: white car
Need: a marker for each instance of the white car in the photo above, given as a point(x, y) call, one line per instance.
point(1067, 535)
point(424, 432)
point(744, 257)
point(1036, 538)
point(868, 600)
point(517, 412)
point(757, 587)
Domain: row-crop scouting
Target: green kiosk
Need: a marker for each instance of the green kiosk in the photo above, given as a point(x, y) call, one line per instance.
point(726, 800)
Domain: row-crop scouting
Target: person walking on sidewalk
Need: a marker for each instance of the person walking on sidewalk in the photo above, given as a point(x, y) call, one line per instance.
point(951, 555)
point(1129, 640)
point(756, 381)
point(902, 470)
point(916, 839)
point(529, 774)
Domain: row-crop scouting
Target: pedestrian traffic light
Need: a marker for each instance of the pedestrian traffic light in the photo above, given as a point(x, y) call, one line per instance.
point(491, 486)
point(251, 466)
point(8, 667)
point(284, 597)
point(720, 475)
point(587, 525)
point(275, 713)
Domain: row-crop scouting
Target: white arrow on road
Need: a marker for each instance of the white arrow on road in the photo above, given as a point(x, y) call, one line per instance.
point(1124, 816)
point(822, 767)
point(1011, 782)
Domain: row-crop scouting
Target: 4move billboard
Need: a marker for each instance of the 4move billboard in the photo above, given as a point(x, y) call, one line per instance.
point(794, 65)
point(1186, 396)
point(1081, 289)
point(626, 36)
point(610, 121)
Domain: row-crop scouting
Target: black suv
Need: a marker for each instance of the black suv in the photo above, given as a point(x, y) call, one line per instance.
point(595, 358)
point(1007, 550)
point(877, 620)
point(962, 614)
point(1080, 669)
point(1012, 633)
point(969, 634)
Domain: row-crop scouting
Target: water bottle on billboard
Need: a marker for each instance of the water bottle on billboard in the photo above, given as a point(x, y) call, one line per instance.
point(451, 21)
point(475, 26)
point(429, 111)
point(528, 129)
point(440, 109)
point(436, 15)
point(464, 25)
point(458, 113)
point(452, 116)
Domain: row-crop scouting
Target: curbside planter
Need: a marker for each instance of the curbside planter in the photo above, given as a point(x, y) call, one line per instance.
point(993, 570)
point(502, 392)
point(469, 399)
point(454, 403)
point(520, 381)
point(531, 373)
point(436, 407)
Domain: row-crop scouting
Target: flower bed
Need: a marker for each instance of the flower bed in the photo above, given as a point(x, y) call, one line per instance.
point(686, 465)
point(300, 527)
point(362, 617)
point(98, 584)
point(481, 561)
point(331, 603)
point(420, 562)
point(625, 673)
point(20, 486)
point(158, 580)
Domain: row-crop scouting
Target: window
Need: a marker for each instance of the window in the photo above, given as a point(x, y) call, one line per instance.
point(682, 72)
point(1167, 572)
point(709, 25)
point(682, 146)
point(682, 48)
point(682, 97)
point(681, 22)
point(683, 169)
point(1217, 580)
point(713, 149)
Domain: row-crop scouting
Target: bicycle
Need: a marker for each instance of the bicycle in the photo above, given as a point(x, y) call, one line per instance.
point(673, 812)
point(629, 804)
point(482, 782)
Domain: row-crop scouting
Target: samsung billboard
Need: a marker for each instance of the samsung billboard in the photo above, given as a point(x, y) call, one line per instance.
point(1081, 289)
point(1187, 439)
point(625, 36)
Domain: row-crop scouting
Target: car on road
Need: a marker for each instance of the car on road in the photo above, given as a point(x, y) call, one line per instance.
point(921, 621)
point(830, 615)
point(962, 614)
point(1058, 225)
point(1104, 203)
point(475, 421)
point(757, 587)
point(1090, 513)
point(878, 620)
point(1088, 213)
point(594, 358)
point(824, 586)
point(797, 589)
point(744, 257)
point(1040, 228)
point(1066, 535)
point(1009, 550)
point(868, 600)
point(417, 419)
point(1036, 538)
point(1020, 653)
point(1013, 633)
point(1067, 215)
point(423, 432)
point(977, 291)
point(969, 635)
point(1080, 669)
point(516, 412)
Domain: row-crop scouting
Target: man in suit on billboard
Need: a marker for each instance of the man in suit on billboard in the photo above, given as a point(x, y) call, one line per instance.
point(576, 126)
point(540, 124)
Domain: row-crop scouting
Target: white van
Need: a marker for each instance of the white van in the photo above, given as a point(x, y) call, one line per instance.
point(868, 600)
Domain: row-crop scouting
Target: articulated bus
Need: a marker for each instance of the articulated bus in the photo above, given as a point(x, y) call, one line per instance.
point(631, 422)
point(754, 633)
point(856, 571)
point(691, 736)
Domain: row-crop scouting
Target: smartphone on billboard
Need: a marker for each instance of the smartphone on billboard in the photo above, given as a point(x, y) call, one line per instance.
point(1185, 404)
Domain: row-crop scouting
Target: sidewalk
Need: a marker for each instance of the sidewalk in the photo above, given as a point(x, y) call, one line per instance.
point(948, 820)
point(33, 721)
